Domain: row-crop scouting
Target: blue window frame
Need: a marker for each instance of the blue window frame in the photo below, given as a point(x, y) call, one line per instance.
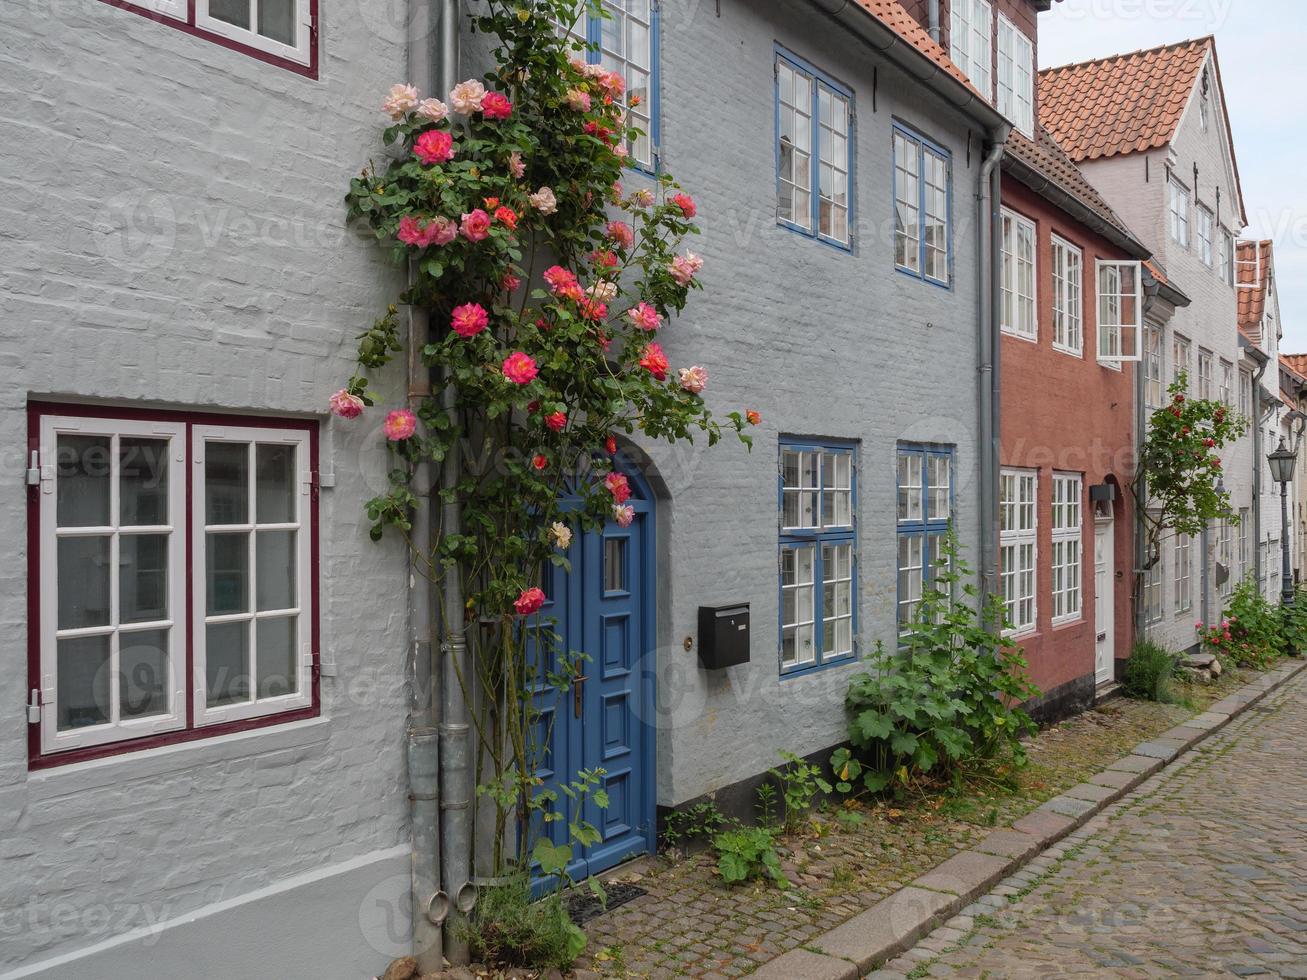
point(925, 513)
point(817, 489)
point(626, 41)
point(923, 206)
point(814, 152)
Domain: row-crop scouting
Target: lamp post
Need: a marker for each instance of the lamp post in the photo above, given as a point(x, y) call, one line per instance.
point(1282, 461)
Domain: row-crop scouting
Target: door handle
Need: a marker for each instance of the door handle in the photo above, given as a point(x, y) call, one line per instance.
point(1101, 636)
point(578, 694)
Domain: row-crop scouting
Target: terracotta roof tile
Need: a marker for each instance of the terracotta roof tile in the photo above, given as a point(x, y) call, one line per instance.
point(1121, 104)
point(897, 19)
point(1297, 363)
point(1252, 276)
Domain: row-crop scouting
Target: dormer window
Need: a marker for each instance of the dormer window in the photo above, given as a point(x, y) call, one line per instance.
point(1016, 76)
point(971, 41)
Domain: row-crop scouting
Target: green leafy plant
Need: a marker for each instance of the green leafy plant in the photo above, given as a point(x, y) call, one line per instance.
point(1293, 625)
point(766, 805)
point(800, 782)
point(508, 928)
point(700, 821)
point(949, 696)
point(744, 853)
point(1252, 632)
point(1149, 671)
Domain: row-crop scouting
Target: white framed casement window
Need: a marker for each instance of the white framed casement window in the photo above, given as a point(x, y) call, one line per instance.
point(814, 119)
point(1227, 257)
point(1181, 351)
point(1154, 386)
point(1205, 362)
point(1226, 390)
point(1154, 597)
point(1179, 213)
point(1206, 244)
point(112, 586)
point(1018, 548)
point(817, 561)
point(282, 28)
point(1016, 76)
point(1245, 393)
point(1225, 554)
point(1068, 572)
point(1019, 314)
point(1184, 592)
point(1068, 299)
point(1245, 536)
point(251, 493)
point(1120, 310)
point(971, 41)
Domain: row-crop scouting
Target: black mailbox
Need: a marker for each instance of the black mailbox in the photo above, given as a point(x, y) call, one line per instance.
point(724, 635)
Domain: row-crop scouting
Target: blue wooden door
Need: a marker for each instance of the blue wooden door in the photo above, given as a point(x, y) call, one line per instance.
point(604, 720)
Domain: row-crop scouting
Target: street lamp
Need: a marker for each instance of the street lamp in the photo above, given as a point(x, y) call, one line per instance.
point(1282, 461)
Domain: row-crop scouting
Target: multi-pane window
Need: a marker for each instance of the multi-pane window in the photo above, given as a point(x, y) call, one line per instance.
point(925, 505)
point(814, 119)
point(624, 42)
point(817, 561)
point(1245, 393)
point(1184, 593)
point(1227, 257)
point(1016, 76)
point(1154, 385)
point(1224, 554)
point(281, 32)
point(1120, 310)
point(1181, 350)
point(1179, 213)
point(1067, 572)
point(1018, 496)
point(1226, 390)
point(1245, 536)
point(1205, 361)
point(1205, 232)
point(971, 40)
point(1068, 304)
point(921, 207)
point(134, 513)
point(1019, 314)
point(1154, 597)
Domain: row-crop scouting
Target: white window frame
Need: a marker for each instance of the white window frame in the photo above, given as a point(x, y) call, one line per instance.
point(300, 52)
point(1068, 548)
point(52, 426)
point(175, 9)
point(1206, 365)
point(1206, 226)
point(1225, 389)
point(304, 612)
point(826, 118)
point(1181, 351)
point(1179, 213)
point(1154, 595)
point(1184, 568)
point(1225, 554)
point(1068, 297)
point(1245, 393)
point(971, 40)
point(1119, 338)
point(1016, 76)
point(1019, 548)
point(1020, 310)
point(1245, 537)
point(1154, 370)
point(1227, 257)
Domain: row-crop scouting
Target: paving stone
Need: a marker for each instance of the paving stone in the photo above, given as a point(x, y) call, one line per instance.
point(1009, 844)
point(1069, 806)
point(1136, 764)
point(964, 874)
point(1117, 780)
point(800, 964)
point(1166, 750)
point(1044, 824)
point(887, 928)
point(1092, 792)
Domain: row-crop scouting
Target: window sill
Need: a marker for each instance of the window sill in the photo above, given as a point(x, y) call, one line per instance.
point(1015, 335)
point(115, 770)
point(1061, 624)
point(807, 669)
point(1079, 355)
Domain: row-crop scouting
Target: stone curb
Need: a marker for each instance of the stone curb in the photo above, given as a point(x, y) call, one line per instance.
point(896, 923)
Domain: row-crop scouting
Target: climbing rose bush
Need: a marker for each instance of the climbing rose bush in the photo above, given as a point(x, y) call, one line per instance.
point(547, 284)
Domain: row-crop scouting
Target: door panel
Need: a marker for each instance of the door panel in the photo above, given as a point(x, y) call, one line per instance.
point(1104, 602)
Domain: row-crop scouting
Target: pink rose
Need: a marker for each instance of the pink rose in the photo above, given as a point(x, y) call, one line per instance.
point(620, 233)
point(399, 425)
point(684, 267)
point(510, 282)
point(563, 283)
point(655, 362)
point(476, 225)
point(437, 231)
point(495, 105)
point(432, 110)
point(400, 100)
point(346, 406)
point(618, 486)
point(694, 379)
point(686, 203)
point(469, 319)
point(529, 602)
point(645, 317)
point(642, 198)
point(613, 83)
point(466, 97)
point(515, 165)
point(578, 100)
point(556, 421)
point(623, 514)
point(434, 146)
point(520, 368)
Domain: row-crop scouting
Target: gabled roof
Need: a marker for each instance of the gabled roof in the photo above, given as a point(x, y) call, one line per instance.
point(1297, 363)
point(1040, 162)
point(1252, 276)
point(897, 19)
point(1121, 104)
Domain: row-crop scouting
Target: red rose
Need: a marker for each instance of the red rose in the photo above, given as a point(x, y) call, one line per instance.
point(539, 461)
point(556, 421)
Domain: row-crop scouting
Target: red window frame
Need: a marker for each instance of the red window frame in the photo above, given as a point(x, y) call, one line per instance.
point(189, 26)
point(190, 733)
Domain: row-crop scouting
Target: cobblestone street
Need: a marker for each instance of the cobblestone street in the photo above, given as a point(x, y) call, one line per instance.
point(1202, 871)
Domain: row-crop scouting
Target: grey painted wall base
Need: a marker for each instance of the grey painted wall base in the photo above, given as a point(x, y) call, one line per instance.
point(341, 923)
point(1063, 701)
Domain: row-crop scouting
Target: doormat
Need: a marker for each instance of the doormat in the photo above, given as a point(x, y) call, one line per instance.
point(582, 906)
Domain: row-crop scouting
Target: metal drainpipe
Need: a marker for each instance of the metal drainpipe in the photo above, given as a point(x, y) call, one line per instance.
point(988, 287)
point(1257, 475)
point(455, 734)
point(934, 21)
point(423, 742)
